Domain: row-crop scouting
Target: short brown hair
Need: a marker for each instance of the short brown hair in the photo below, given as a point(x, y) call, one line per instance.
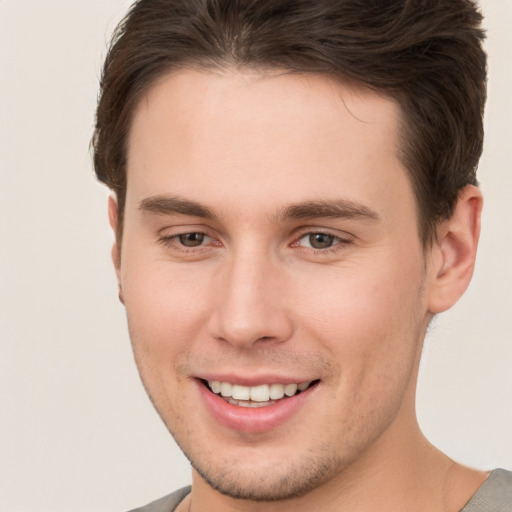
point(425, 54)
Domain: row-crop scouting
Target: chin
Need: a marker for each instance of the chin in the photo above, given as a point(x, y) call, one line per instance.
point(270, 481)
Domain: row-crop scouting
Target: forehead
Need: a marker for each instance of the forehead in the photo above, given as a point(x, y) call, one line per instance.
point(289, 136)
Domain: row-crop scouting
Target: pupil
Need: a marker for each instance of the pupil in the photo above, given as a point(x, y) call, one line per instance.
point(321, 240)
point(191, 239)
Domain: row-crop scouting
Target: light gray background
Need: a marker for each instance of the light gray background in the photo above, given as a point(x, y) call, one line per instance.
point(76, 430)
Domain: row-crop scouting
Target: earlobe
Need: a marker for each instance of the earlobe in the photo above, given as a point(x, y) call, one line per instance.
point(456, 251)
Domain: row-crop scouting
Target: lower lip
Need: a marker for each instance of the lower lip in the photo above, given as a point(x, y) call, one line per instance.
point(253, 419)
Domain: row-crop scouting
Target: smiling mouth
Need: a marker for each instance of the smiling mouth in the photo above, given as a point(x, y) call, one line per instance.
point(262, 395)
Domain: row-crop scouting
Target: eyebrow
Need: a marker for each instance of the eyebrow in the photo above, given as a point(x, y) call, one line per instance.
point(342, 208)
point(171, 205)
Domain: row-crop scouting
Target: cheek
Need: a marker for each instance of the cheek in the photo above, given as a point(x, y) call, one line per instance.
point(164, 318)
point(371, 327)
point(369, 318)
point(166, 307)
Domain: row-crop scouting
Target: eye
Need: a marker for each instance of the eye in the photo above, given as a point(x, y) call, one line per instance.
point(323, 243)
point(188, 245)
point(318, 240)
point(192, 239)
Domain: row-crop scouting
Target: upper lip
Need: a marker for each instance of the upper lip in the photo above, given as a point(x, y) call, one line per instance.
point(254, 380)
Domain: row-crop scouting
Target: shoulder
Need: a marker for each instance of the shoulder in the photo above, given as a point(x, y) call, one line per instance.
point(167, 503)
point(495, 494)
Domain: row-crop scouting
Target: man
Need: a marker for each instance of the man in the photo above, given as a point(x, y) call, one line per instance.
point(295, 199)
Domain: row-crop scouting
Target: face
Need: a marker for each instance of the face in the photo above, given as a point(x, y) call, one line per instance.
point(270, 248)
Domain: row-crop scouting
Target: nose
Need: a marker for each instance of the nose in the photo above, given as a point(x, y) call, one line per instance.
point(251, 306)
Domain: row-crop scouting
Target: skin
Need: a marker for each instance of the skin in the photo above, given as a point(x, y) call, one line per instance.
point(254, 298)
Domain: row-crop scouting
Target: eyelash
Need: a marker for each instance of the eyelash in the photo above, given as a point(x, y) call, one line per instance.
point(172, 242)
point(338, 243)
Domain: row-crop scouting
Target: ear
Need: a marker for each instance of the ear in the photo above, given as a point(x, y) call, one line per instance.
point(454, 251)
point(116, 250)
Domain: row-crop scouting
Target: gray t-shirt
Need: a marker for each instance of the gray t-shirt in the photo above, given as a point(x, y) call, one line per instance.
point(494, 495)
point(167, 503)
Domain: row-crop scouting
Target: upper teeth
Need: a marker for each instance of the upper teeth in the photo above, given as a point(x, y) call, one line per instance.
point(261, 393)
